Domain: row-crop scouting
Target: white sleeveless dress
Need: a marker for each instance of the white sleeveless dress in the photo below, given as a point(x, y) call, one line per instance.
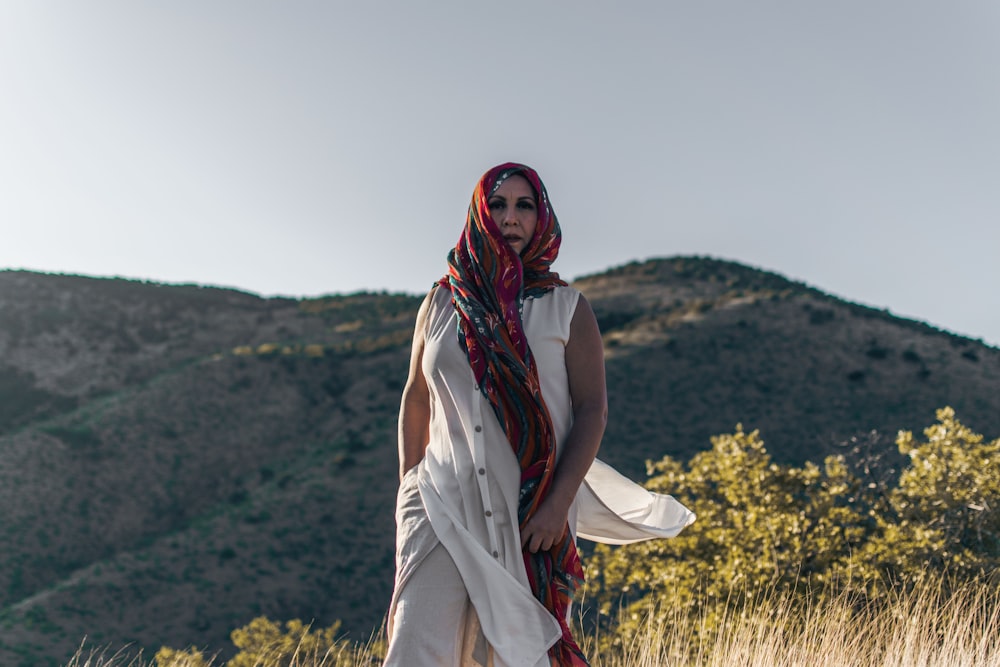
point(463, 494)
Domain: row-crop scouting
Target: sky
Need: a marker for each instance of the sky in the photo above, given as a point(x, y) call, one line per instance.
point(303, 148)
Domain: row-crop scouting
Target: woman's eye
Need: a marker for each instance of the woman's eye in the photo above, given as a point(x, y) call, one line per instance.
point(495, 204)
point(526, 205)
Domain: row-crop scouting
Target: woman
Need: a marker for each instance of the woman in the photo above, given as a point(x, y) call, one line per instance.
point(500, 421)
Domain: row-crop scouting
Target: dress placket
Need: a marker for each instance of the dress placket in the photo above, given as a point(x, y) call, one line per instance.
point(482, 473)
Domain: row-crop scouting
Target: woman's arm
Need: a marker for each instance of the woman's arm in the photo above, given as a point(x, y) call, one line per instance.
point(415, 406)
point(585, 367)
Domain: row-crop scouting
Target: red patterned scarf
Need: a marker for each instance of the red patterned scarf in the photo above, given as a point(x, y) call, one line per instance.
point(489, 281)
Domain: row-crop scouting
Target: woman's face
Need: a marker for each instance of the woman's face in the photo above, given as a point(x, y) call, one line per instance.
point(515, 212)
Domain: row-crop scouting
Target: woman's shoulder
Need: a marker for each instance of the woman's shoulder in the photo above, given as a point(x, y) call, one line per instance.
point(437, 298)
point(554, 310)
point(559, 291)
point(566, 289)
point(564, 296)
point(432, 304)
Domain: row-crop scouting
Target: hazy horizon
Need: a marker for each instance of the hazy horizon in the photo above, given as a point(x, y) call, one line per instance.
point(313, 148)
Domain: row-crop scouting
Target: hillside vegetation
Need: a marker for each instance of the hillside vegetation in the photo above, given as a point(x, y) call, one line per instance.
point(786, 565)
point(176, 460)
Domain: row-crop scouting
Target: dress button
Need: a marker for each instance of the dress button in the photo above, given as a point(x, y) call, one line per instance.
point(489, 513)
point(482, 471)
point(496, 554)
point(479, 429)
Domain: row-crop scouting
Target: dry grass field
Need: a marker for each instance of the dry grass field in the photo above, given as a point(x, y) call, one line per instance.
point(923, 629)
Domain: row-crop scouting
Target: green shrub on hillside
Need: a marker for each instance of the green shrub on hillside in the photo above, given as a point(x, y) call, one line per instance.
point(760, 526)
point(812, 531)
point(263, 643)
point(944, 514)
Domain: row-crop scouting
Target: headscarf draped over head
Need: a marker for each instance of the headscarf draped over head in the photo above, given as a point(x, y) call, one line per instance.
point(489, 281)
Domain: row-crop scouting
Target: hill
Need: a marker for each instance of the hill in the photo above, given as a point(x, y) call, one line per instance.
point(175, 460)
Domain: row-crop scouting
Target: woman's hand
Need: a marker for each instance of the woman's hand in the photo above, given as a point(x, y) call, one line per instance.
point(546, 527)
